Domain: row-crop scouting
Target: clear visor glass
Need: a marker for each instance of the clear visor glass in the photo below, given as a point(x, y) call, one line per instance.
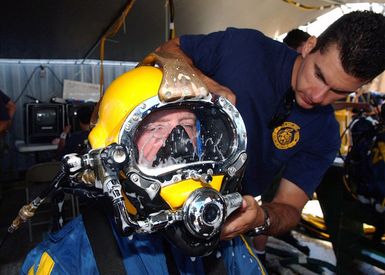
point(171, 138)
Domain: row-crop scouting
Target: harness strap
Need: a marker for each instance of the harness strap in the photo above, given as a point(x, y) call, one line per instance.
point(105, 249)
point(214, 265)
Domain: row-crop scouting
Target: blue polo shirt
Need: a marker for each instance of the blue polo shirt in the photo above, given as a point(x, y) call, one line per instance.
point(258, 70)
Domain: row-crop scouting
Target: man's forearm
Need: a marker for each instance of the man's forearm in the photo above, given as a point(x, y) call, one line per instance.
point(11, 109)
point(283, 217)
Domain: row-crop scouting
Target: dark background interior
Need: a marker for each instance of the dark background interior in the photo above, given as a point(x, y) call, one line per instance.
point(70, 29)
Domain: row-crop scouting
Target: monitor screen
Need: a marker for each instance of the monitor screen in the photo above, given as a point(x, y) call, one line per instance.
point(45, 119)
point(43, 122)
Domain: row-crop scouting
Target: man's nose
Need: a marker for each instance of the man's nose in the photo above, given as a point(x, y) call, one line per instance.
point(318, 94)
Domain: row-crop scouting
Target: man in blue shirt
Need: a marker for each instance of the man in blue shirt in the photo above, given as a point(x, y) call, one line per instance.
point(7, 111)
point(75, 143)
point(285, 100)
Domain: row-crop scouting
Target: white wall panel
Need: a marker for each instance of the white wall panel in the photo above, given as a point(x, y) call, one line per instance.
point(25, 77)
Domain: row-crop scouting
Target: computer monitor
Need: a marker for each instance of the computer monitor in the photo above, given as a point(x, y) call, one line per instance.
point(43, 122)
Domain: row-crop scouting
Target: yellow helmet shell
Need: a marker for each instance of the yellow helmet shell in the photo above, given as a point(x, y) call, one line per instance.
point(122, 96)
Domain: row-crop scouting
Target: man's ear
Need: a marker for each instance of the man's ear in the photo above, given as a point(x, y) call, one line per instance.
point(309, 45)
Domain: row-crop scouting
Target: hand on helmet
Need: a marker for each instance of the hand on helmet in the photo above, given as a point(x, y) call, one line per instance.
point(225, 92)
point(215, 88)
point(249, 216)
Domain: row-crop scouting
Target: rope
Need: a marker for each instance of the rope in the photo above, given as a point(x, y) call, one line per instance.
point(110, 33)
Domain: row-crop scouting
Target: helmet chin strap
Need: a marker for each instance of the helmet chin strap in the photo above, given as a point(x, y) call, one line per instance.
point(178, 148)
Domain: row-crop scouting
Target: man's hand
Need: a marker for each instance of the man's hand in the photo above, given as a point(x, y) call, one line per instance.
point(227, 93)
point(249, 216)
point(173, 46)
point(284, 212)
point(215, 88)
point(67, 129)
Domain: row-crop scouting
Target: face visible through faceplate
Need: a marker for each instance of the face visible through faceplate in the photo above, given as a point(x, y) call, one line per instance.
point(167, 137)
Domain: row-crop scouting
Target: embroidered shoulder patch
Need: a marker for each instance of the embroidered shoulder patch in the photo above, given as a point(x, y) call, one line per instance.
point(286, 135)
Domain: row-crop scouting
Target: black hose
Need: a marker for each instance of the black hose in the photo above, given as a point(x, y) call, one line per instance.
point(4, 239)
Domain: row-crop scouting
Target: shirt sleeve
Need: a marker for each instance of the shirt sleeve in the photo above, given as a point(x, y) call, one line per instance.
point(202, 49)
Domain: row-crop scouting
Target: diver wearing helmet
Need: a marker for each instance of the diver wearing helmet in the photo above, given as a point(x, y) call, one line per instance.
point(169, 156)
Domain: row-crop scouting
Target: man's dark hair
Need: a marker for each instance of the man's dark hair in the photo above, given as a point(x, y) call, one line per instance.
point(84, 114)
point(295, 38)
point(360, 38)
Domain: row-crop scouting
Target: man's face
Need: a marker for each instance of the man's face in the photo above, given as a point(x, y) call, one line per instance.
point(321, 80)
point(158, 127)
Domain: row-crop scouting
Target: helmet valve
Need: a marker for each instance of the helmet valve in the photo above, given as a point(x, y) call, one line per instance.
point(204, 177)
point(205, 211)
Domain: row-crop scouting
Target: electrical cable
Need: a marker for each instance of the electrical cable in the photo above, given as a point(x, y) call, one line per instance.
point(41, 67)
point(27, 83)
point(343, 134)
point(59, 93)
point(54, 74)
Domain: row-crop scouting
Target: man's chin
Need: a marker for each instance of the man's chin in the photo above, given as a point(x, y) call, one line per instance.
point(303, 104)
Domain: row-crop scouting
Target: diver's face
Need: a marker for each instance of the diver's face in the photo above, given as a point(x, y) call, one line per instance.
point(158, 127)
point(321, 80)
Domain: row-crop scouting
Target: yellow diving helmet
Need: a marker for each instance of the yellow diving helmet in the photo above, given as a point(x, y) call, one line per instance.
point(181, 153)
